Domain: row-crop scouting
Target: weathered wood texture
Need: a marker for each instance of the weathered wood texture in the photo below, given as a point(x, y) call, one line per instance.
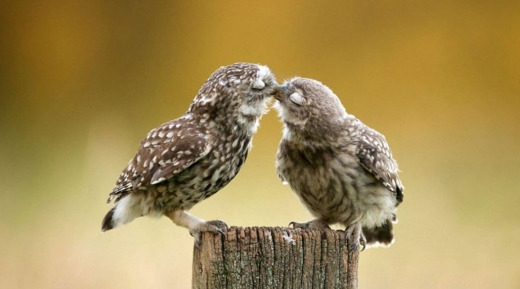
point(265, 257)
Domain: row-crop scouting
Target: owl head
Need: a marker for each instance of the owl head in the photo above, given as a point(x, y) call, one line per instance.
point(307, 106)
point(236, 93)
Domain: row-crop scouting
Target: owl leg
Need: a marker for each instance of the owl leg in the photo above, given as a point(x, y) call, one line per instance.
point(195, 224)
point(355, 237)
point(314, 224)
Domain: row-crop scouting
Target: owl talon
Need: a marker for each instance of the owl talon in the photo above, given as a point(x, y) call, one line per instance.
point(355, 237)
point(296, 225)
point(219, 226)
point(215, 226)
point(355, 246)
point(314, 224)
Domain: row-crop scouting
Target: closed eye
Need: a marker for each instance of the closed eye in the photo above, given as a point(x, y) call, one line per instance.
point(297, 98)
point(258, 85)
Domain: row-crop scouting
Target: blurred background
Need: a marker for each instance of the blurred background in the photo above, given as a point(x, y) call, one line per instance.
point(82, 82)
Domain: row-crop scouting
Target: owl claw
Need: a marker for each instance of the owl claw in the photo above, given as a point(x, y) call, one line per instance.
point(218, 225)
point(356, 245)
point(314, 224)
point(355, 237)
point(296, 225)
point(214, 226)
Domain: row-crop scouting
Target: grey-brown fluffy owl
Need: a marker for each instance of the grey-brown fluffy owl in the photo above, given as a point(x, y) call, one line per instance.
point(188, 159)
point(341, 169)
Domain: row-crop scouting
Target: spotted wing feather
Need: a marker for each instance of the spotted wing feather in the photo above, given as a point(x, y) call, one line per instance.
point(165, 152)
point(375, 156)
point(188, 149)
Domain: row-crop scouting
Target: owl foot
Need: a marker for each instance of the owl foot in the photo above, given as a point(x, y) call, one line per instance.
point(214, 226)
point(314, 224)
point(196, 225)
point(355, 237)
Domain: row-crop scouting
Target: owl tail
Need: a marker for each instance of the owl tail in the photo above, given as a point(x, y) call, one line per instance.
point(379, 236)
point(107, 221)
point(126, 209)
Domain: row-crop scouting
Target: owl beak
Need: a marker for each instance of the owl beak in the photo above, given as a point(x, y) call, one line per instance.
point(280, 92)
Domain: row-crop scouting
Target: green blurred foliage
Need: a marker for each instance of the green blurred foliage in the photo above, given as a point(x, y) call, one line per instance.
point(83, 81)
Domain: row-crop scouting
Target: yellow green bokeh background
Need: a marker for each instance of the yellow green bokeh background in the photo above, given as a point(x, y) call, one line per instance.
point(83, 81)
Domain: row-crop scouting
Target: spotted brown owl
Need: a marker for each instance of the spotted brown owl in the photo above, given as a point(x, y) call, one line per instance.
point(188, 159)
point(342, 170)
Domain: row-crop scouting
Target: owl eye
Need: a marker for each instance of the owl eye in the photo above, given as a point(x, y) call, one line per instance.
point(296, 98)
point(258, 85)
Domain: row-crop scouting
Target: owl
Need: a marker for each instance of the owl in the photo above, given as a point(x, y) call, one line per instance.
point(341, 169)
point(190, 158)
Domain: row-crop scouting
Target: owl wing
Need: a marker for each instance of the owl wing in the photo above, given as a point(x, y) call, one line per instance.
point(375, 156)
point(178, 152)
point(165, 152)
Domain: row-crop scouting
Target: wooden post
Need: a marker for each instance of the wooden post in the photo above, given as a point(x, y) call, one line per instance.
point(265, 257)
